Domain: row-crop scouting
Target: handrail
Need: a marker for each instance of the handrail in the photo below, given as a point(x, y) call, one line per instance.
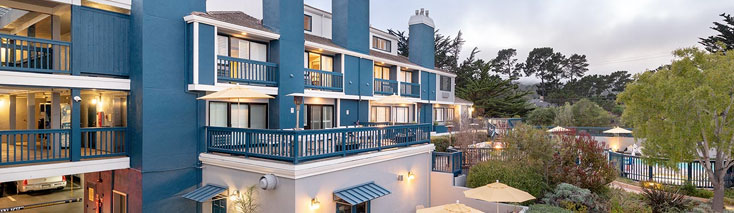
point(271, 64)
point(449, 162)
point(410, 89)
point(385, 87)
point(28, 54)
point(326, 80)
point(30, 146)
point(302, 145)
point(40, 40)
point(238, 70)
point(324, 72)
point(103, 141)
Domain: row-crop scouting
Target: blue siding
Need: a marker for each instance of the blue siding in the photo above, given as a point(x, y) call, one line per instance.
point(206, 54)
point(422, 45)
point(161, 114)
point(366, 72)
point(100, 42)
point(426, 113)
point(351, 75)
point(432, 86)
point(351, 27)
point(358, 111)
point(286, 17)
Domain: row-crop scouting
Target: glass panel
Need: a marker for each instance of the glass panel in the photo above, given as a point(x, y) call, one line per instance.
point(218, 114)
point(222, 45)
point(361, 208)
point(315, 117)
point(401, 114)
point(258, 116)
point(381, 114)
point(307, 22)
point(258, 51)
point(101, 108)
point(239, 115)
point(244, 49)
point(119, 203)
point(234, 51)
point(328, 116)
point(341, 208)
point(327, 63)
point(313, 61)
point(305, 59)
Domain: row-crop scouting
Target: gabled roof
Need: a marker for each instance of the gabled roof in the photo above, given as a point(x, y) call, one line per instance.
point(235, 17)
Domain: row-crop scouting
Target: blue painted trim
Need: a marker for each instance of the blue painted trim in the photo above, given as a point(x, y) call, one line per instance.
point(247, 71)
point(414, 89)
point(36, 55)
point(325, 80)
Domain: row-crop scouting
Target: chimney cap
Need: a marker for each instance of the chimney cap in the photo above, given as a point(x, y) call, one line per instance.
point(421, 17)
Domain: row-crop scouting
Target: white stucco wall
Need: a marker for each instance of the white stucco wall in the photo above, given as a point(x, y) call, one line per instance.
point(449, 97)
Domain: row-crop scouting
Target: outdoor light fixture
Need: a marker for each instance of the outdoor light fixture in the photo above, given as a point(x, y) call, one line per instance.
point(244, 34)
point(411, 176)
point(94, 101)
point(235, 194)
point(315, 204)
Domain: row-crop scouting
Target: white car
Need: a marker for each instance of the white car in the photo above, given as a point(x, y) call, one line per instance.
point(38, 184)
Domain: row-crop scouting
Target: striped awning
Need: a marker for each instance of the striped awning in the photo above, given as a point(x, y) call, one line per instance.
point(361, 193)
point(204, 193)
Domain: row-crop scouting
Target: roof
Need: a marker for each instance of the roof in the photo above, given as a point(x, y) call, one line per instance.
point(235, 17)
point(205, 193)
point(462, 101)
point(319, 40)
point(361, 193)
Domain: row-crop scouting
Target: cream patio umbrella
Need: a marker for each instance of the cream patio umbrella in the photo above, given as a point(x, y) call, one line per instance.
point(236, 93)
point(558, 129)
point(498, 192)
point(449, 208)
point(394, 100)
point(617, 130)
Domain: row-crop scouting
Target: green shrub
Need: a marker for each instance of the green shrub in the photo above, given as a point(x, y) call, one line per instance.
point(545, 208)
point(543, 116)
point(621, 201)
point(512, 173)
point(689, 189)
point(441, 142)
point(575, 199)
point(665, 199)
point(593, 172)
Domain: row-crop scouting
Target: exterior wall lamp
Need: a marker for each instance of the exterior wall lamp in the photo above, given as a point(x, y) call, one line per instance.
point(234, 195)
point(315, 204)
point(410, 176)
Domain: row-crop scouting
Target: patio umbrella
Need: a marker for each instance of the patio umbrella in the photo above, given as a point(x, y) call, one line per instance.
point(393, 100)
point(237, 93)
point(449, 208)
point(498, 192)
point(618, 130)
point(558, 129)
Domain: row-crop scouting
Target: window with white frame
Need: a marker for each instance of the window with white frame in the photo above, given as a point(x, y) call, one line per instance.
point(241, 48)
point(242, 115)
point(380, 114)
point(317, 61)
point(381, 44)
point(382, 72)
point(442, 114)
point(445, 83)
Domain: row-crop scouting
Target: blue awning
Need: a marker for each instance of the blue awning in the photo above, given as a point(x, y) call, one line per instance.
point(204, 193)
point(361, 193)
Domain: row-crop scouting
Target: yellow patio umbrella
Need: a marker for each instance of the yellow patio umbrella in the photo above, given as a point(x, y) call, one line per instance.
point(558, 129)
point(394, 100)
point(236, 93)
point(449, 208)
point(498, 192)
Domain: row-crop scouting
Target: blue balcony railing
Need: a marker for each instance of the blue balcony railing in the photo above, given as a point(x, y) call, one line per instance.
point(31, 146)
point(410, 89)
point(386, 87)
point(324, 80)
point(448, 162)
point(302, 145)
point(26, 54)
point(237, 70)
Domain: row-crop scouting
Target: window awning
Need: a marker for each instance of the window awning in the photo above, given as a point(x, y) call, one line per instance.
point(204, 193)
point(361, 193)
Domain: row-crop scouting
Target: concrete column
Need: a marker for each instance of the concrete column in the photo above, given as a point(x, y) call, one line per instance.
point(11, 114)
point(31, 112)
point(55, 110)
point(56, 35)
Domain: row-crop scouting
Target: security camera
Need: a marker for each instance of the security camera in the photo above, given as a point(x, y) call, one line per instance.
point(77, 99)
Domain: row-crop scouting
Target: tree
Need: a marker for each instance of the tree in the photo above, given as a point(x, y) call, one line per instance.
point(542, 116)
point(684, 110)
point(494, 96)
point(553, 67)
point(506, 63)
point(725, 36)
point(402, 41)
point(447, 49)
point(588, 113)
point(581, 162)
point(564, 115)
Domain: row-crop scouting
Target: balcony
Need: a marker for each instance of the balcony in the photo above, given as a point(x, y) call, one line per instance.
point(237, 70)
point(448, 162)
point(303, 145)
point(26, 54)
point(408, 89)
point(385, 87)
point(32, 146)
point(323, 80)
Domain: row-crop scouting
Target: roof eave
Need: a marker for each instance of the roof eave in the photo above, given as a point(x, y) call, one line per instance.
point(251, 31)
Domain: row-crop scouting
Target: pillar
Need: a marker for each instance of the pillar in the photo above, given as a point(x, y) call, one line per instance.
point(31, 112)
point(76, 134)
point(12, 111)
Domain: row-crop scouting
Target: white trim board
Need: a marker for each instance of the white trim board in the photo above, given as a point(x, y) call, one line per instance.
point(221, 24)
point(66, 81)
point(65, 168)
point(308, 169)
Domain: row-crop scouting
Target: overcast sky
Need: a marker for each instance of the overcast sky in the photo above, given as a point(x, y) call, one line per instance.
point(632, 35)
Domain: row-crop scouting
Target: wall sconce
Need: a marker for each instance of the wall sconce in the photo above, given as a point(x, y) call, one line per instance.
point(410, 176)
point(94, 101)
point(315, 204)
point(234, 195)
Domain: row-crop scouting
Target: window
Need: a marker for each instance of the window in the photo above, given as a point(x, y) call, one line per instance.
point(382, 72)
point(381, 44)
point(243, 115)
point(219, 206)
point(442, 114)
point(402, 115)
point(307, 22)
point(343, 207)
point(380, 114)
point(406, 76)
point(119, 202)
point(241, 48)
point(445, 83)
point(319, 116)
point(316, 61)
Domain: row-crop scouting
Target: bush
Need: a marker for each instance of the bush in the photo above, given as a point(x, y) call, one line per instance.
point(543, 116)
point(580, 161)
point(665, 199)
point(441, 142)
point(621, 201)
point(689, 189)
point(576, 199)
point(514, 174)
point(588, 113)
point(531, 146)
point(545, 208)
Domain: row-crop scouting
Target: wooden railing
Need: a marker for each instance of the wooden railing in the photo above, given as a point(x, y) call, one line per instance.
point(302, 145)
point(27, 54)
point(385, 87)
point(324, 80)
point(31, 146)
point(449, 162)
point(237, 70)
point(103, 142)
point(410, 89)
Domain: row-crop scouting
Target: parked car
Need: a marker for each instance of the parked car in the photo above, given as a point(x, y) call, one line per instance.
point(38, 184)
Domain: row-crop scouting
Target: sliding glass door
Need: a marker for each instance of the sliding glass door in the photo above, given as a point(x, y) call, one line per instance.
point(320, 116)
